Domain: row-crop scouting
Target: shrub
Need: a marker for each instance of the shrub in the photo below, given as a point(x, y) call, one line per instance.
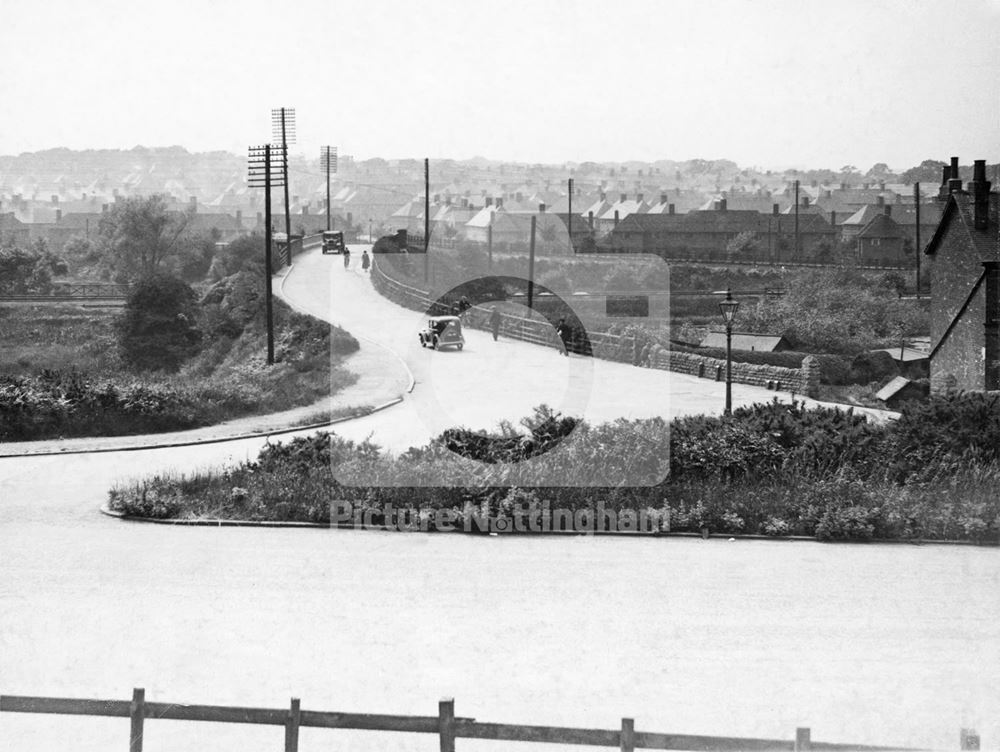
point(157, 329)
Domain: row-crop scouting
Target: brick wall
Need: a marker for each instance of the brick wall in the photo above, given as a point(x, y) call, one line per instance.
point(959, 362)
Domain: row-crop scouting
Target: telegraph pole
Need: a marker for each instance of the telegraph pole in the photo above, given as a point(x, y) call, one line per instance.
point(427, 216)
point(283, 133)
point(570, 219)
point(328, 162)
point(916, 204)
point(531, 266)
point(798, 249)
point(265, 169)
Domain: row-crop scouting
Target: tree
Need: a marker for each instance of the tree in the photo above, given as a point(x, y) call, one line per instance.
point(157, 329)
point(880, 171)
point(141, 238)
point(929, 171)
point(743, 245)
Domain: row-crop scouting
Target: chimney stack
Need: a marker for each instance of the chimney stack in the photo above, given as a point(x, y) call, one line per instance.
point(805, 202)
point(980, 188)
point(624, 198)
point(55, 200)
point(775, 209)
point(541, 208)
point(880, 200)
point(58, 215)
point(194, 202)
point(489, 201)
point(833, 218)
point(722, 204)
point(670, 208)
point(638, 197)
point(616, 217)
point(887, 209)
point(663, 198)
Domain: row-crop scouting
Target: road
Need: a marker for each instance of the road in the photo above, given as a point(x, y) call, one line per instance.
point(879, 644)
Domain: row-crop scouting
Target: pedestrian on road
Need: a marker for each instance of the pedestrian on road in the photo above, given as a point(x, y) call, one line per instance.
point(365, 261)
point(562, 334)
point(347, 258)
point(495, 322)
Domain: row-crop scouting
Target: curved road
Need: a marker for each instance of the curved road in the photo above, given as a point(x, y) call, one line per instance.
point(877, 644)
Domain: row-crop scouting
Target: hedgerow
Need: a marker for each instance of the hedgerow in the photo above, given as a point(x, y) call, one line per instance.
point(771, 469)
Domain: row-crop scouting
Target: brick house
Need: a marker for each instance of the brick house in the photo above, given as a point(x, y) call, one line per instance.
point(964, 261)
point(881, 241)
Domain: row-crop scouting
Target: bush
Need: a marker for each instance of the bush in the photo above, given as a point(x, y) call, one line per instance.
point(868, 367)
point(157, 330)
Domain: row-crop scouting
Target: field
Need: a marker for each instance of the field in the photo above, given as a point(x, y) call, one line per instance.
point(61, 374)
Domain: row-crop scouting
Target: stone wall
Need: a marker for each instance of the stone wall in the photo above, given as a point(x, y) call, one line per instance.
point(804, 380)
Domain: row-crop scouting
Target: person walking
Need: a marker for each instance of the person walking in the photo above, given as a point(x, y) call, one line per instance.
point(562, 334)
point(347, 258)
point(365, 261)
point(495, 322)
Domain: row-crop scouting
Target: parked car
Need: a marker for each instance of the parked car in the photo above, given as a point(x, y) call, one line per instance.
point(442, 331)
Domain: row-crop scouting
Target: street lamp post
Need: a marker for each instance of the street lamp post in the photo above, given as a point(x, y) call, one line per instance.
point(728, 308)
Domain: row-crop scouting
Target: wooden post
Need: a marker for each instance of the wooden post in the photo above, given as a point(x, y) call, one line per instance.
point(137, 712)
point(802, 740)
point(969, 739)
point(292, 727)
point(627, 739)
point(446, 724)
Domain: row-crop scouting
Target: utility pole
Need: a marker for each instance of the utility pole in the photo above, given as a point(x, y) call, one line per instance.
point(427, 216)
point(916, 204)
point(265, 169)
point(531, 265)
point(283, 133)
point(328, 162)
point(798, 249)
point(570, 218)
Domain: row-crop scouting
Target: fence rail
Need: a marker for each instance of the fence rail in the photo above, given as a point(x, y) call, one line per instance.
point(69, 291)
point(445, 724)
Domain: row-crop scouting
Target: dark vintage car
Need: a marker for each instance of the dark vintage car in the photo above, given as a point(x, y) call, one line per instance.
point(333, 242)
point(442, 331)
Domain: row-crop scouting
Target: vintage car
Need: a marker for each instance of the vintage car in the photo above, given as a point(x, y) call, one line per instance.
point(333, 242)
point(442, 331)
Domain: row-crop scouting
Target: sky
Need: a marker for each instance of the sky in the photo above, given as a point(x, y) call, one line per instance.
point(764, 83)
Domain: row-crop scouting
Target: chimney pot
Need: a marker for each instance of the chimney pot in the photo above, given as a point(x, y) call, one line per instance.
point(980, 188)
point(954, 168)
